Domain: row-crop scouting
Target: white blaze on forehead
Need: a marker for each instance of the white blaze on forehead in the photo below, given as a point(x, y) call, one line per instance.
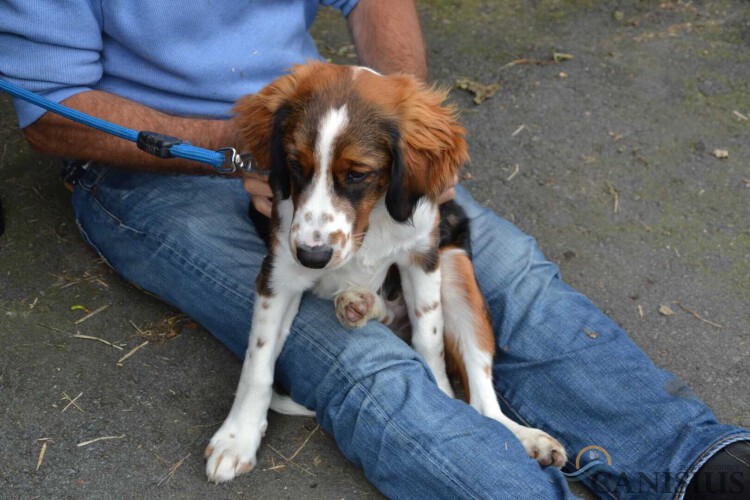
point(317, 217)
point(331, 126)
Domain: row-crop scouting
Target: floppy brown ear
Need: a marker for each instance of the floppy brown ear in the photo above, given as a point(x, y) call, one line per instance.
point(255, 116)
point(431, 145)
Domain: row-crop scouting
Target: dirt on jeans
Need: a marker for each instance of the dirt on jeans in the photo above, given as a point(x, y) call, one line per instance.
point(604, 139)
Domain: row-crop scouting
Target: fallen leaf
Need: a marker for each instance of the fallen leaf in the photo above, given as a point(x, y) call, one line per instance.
point(590, 333)
point(481, 91)
point(721, 153)
point(561, 56)
point(666, 311)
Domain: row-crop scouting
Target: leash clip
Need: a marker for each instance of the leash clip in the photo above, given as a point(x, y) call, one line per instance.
point(239, 161)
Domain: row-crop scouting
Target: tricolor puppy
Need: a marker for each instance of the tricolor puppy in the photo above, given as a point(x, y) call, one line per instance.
point(357, 161)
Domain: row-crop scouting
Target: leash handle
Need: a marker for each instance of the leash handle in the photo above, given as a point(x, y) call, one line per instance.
point(159, 145)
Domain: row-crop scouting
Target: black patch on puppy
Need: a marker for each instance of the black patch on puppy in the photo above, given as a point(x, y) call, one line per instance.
point(262, 283)
point(454, 227)
point(279, 177)
point(262, 224)
point(398, 201)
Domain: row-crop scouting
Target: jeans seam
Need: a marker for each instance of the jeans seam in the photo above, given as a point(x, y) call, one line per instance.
point(383, 415)
point(180, 258)
point(709, 451)
point(527, 424)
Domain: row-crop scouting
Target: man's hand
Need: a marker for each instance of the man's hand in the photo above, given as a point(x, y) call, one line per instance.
point(260, 192)
point(449, 193)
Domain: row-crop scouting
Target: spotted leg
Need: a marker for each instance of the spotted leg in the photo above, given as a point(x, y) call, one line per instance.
point(422, 295)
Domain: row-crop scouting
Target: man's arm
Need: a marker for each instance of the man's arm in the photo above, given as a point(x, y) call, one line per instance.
point(55, 135)
point(388, 38)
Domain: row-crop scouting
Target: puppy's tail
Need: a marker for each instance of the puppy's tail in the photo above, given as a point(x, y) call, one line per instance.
point(285, 406)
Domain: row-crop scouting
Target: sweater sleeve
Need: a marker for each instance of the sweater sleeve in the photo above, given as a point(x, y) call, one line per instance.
point(345, 6)
point(51, 48)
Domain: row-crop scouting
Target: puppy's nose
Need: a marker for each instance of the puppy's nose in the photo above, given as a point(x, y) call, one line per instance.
point(314, 257)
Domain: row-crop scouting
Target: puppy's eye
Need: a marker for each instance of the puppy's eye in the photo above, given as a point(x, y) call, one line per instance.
point(296, 168)
point(295, 165)
point(354, 176)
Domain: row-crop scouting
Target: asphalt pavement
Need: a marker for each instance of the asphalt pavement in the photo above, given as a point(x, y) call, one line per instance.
point(617, 134)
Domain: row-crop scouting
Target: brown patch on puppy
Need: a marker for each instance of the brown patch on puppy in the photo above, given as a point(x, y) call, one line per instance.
point(465, 278)
point(426, 309)
point(432, 140)
point(245, 468)
point(337, 238)
point(427, 260)
point(430, 307)
point(260, 342)
point(454, 362)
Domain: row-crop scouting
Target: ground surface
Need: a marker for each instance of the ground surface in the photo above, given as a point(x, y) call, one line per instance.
point(606, 158)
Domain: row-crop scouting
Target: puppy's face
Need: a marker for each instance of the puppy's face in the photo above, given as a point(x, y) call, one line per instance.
point(337, 140)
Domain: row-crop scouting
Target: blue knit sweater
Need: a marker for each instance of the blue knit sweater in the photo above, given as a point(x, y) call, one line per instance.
point(183, 57)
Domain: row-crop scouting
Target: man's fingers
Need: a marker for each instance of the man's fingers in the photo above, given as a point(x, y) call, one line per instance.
point(257, 186)
point(449, 193)
point(260, 192)
point(262, 205)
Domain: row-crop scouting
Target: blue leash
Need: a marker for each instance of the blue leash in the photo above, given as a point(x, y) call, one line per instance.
point(224, 160)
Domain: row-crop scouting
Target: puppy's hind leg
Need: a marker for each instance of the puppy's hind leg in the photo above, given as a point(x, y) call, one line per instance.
point(470, 347)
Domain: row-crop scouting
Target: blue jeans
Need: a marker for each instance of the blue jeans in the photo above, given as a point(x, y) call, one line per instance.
point(562, 365)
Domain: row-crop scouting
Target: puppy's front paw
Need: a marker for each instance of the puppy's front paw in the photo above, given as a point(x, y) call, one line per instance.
point(354, 308)
point(542, 447)
point(231, 451)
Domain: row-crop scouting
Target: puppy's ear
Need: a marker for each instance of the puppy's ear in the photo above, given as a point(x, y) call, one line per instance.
point(430, 146)
point(260, 119)
point(254, 117)
point(398, 200)
point(433, 141)
point(279, 179)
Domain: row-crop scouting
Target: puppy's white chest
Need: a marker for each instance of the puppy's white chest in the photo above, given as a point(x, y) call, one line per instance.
point(387, 242)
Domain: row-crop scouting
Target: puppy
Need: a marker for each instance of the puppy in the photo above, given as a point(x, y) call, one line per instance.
point(357, 162)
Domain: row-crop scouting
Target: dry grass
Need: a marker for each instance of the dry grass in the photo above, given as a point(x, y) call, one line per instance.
point(165, 329)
